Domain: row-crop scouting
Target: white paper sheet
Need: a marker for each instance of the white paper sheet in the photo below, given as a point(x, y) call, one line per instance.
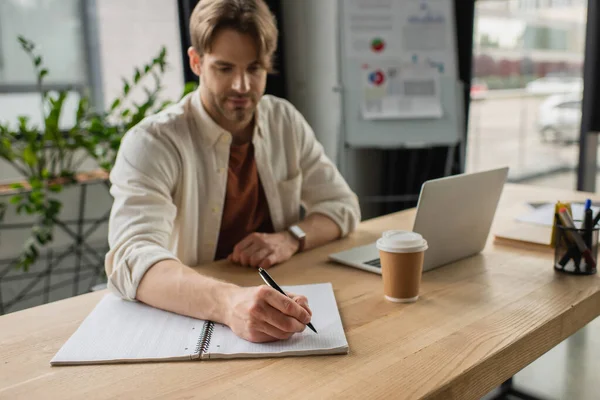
point(394, 90)
point(330, 338)
point(418, 31)
point(544, 214)
point(122, 331)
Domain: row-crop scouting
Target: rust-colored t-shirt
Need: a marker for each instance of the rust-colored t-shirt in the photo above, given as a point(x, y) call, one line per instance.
point(246, 209)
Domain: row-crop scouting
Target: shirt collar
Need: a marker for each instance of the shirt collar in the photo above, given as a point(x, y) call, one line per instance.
point(212, 131)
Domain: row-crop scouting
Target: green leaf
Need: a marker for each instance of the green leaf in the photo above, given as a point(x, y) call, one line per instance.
point(189, 88)
point(36, 197)
point(53, 117)
point(43, 73)
point(17, 186)
point(125, 112)
point(27, 45)
point(82, 108)
point(31, 250)
point(147, 68)
point(29, 156)
point(35, 183)
point(137, 76)
point(115, 104)
point(20, 208)
point(23, 120)
point(55, 188)
point(126, 87)
point(16, 199)
point(37, 61)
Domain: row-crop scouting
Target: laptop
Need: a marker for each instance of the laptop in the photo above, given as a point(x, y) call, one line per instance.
point(454, 215)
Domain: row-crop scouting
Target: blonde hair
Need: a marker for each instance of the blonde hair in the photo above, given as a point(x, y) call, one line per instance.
point(252, 17)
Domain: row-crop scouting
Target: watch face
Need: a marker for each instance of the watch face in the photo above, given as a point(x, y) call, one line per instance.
point(297, 231)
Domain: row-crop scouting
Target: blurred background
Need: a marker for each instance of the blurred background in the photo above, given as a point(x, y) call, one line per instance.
point(521, 62)
point(527, 89)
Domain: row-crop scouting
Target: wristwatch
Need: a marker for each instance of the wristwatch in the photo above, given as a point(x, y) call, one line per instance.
point(299, 235)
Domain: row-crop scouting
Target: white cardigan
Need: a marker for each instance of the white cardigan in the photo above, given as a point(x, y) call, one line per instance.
point(170, 178)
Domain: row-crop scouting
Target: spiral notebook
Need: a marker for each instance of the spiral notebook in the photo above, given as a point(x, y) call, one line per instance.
point(119, 331)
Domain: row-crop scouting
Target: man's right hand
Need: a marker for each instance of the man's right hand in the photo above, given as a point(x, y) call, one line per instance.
point(262, 314)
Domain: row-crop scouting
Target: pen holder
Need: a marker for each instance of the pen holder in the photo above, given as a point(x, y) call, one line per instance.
point(567, 256)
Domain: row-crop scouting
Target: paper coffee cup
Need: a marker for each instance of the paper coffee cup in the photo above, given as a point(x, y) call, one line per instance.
point(401, 254)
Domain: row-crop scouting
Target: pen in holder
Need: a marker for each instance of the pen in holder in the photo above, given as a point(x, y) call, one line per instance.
point(568, 256)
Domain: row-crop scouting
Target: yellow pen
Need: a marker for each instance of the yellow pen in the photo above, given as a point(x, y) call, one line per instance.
point(557, 208)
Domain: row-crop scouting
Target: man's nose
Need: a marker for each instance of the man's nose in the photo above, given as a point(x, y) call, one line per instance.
point(241, 83)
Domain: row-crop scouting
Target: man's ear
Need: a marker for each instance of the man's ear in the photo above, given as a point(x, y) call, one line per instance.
point(195, 61)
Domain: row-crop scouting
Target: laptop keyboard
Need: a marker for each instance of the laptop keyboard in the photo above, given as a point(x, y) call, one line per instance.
point(374, 263)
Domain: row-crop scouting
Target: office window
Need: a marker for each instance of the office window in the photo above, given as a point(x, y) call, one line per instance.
point(56, 27)
point(545, 38)
point(526, 90)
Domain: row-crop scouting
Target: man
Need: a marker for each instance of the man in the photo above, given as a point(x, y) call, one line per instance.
point(222, 174)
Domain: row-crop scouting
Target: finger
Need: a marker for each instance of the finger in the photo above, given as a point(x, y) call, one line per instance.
point(257, 336)
point(287, 306)
point(275, 332)
point(303, 301)
point(242, 245)
point(281, 322)
point(269, 261)
point(260, 255)
point(271, 322)
point(249, 252)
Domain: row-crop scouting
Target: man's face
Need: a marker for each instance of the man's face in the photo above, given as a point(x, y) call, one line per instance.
point(232, 79)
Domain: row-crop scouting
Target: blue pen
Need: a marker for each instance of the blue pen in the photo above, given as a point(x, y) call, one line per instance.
point(588, 223)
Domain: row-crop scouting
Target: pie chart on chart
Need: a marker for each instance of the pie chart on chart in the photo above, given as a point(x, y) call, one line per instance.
point(377, 45)
point(377, 77)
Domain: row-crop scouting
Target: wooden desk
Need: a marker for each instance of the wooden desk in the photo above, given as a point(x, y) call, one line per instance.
point(477, 323)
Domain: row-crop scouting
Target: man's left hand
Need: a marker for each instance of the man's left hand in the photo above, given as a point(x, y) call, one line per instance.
point(264, 249)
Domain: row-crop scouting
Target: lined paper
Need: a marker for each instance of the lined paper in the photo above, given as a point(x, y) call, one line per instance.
point(326, 320)
point(122, 331)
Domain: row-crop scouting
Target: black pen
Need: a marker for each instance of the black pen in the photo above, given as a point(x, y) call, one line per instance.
point(269, 281)
point(596, 220)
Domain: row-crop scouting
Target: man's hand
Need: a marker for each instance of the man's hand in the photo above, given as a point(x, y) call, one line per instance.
point(264, 250)
point(262, 314)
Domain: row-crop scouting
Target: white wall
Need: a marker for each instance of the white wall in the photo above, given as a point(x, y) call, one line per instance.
point(131, 34)
point(311, 48)
point(310, 32)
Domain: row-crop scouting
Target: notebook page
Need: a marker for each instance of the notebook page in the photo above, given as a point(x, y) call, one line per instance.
point(326, 320)
point(122, 331)
point(544, 215)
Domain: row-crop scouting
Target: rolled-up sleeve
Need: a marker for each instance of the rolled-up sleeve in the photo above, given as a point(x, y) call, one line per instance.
point(141, 221)
point(324, 190)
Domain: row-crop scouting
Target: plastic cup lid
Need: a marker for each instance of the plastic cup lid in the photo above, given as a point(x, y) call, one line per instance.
point(397, 241)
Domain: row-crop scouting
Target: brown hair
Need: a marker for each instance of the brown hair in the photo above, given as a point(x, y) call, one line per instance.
point(245, 16)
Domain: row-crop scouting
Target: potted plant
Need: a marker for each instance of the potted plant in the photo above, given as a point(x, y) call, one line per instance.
point(49, 157)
